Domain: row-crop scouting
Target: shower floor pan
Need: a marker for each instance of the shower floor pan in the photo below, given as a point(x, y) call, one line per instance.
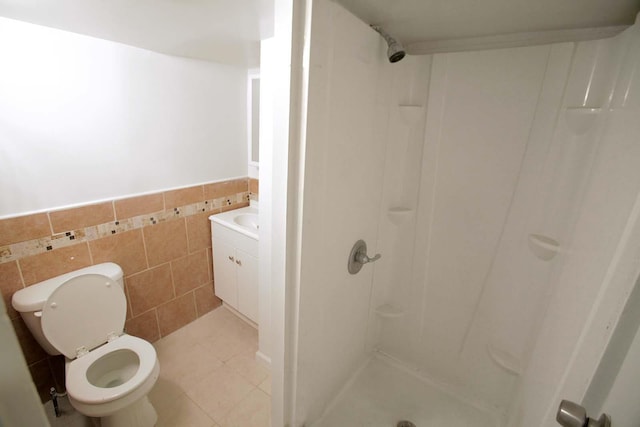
point(382, 394)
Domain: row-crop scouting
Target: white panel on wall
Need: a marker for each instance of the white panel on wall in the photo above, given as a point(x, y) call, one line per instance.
point(84, 119)
point(344, 159)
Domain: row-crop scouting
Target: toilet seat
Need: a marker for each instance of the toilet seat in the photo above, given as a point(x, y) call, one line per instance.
point(79, 387)
point(83, 313)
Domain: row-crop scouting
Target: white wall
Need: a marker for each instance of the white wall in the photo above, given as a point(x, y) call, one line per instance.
point(83, 119)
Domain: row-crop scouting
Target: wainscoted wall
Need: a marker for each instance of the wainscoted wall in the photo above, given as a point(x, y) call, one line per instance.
point(162, 241)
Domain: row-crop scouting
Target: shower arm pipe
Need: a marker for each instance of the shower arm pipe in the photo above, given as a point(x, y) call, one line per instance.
point(383, 33)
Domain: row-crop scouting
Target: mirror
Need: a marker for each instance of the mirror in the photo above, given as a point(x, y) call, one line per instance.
point(253, 119)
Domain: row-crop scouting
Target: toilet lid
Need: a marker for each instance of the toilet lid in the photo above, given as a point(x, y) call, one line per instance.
point(83, 312)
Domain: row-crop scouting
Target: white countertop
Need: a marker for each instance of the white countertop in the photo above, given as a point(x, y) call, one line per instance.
point(227, 219)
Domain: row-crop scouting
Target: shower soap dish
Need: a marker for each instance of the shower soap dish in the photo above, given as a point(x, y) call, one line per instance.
point(505, 360)
point(543, 247)
point(399, 215)
point(387, 311)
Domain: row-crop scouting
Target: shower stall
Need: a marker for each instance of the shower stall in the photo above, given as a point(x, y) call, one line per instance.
point(501, 189)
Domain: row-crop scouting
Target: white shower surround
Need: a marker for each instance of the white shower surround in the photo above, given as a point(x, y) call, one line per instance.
point(464, 156)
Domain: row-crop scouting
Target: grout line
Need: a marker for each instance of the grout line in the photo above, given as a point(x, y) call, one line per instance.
point(173, 282)
point(20, 273)
point(86, 242)
point(50, 223)
point(155, 309)
point(144, 248)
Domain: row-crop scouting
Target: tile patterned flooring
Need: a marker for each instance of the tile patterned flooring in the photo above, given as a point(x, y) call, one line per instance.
point(209, 376)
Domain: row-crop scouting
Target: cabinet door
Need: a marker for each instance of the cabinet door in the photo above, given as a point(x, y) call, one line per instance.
point(247, 274)
point(224, 272)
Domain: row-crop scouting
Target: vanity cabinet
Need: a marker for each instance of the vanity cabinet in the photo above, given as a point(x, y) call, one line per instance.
point(235, 269)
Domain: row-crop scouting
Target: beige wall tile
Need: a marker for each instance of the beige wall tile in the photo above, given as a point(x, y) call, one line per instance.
point(199, 231)
point(37, 268)
point(165, 241)
point(176, 313)
point(84, 216)
point(206, 299)
point(134, 206)
point(239, 185)
point(10, 282)
point(183, 196)
point(254, 186)
point(22, 228)
point(149, 289)
point(190, 272)
point(235, 206)
point(30, 347)
point(125, 249)
point(226, 188)
point(144, 326)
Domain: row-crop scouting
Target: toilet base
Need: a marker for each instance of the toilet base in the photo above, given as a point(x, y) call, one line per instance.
point(138, 414)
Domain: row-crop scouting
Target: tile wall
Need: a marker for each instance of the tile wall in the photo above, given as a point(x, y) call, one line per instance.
point(162, 241)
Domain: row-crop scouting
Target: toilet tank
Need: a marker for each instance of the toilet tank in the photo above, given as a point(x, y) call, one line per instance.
point(30, 300)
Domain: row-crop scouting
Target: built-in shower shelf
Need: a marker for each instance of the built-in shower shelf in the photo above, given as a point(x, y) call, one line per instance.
point(400, 215)
point(387, 311)
point(410, 113)
point(506, 361)
point(581, 119)
point(543, 247)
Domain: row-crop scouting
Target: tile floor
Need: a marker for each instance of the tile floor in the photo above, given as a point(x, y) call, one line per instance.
point(209, 376)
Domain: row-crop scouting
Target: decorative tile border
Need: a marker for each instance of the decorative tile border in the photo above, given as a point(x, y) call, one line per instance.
point(37, 246)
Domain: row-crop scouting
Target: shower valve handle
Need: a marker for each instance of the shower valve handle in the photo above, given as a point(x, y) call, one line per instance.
point(363, 258)
point(358, 257)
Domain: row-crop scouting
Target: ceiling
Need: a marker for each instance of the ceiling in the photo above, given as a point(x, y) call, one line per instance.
point(229, 31)
point(417, 23)
point(225, 31)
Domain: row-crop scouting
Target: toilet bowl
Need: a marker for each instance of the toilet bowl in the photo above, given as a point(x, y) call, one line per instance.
point(112, 377)
point(108, 373)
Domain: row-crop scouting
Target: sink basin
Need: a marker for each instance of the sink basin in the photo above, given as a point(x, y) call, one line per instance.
point(244, 221)
point(247, 220)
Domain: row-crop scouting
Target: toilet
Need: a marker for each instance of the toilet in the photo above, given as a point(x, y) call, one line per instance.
point(81, 315)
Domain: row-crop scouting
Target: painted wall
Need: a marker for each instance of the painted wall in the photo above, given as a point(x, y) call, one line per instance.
point(84, 119)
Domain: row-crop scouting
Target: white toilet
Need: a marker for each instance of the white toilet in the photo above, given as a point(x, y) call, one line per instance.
point(81, 315)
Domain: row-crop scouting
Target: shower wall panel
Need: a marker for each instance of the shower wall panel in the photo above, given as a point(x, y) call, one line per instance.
point(512, 140)
point(480, 111)
point(601, 263)
point(344, 158)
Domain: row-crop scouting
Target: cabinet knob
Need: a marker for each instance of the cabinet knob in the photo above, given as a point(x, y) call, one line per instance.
point(230, 258)
point(238, 262)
